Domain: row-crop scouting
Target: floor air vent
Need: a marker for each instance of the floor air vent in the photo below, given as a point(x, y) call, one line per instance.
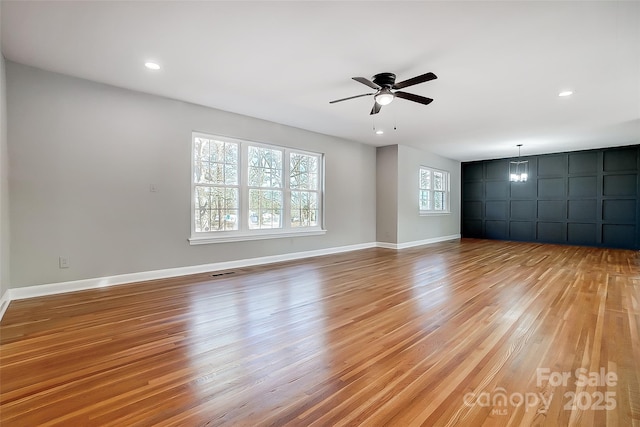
point(223, 274)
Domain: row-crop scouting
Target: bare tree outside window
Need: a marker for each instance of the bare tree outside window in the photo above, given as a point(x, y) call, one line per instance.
point(265, 188)
point(303, 177)
point(242, 188)
point(216, 178)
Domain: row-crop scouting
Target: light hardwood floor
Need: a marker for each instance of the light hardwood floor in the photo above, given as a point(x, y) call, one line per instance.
point(466, 333)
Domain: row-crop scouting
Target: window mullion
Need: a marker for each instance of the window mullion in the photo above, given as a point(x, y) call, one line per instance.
point(320, 189)
point(286, 191)
point(244, 188)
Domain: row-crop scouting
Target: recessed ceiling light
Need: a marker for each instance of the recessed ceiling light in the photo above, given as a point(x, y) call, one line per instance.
point(566, 93)
point(152, 65)
point(379, 132)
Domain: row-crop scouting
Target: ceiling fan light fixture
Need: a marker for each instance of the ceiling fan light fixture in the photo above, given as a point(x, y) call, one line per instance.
point(384, 85)
point(384, 97)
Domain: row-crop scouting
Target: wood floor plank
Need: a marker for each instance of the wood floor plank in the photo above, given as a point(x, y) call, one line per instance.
point(451, 334)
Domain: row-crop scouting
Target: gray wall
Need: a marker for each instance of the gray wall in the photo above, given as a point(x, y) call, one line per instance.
point(83, 156)
point(411, 225)
point(387, 194)
point(399, 220)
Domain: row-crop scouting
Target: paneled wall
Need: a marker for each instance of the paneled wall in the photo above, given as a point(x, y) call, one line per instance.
point(582, 198)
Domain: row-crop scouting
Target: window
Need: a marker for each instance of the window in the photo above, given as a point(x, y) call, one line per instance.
point(215, 177)
point(265, 188)
point(434, 191)
point(305, 195)
point(244, 190)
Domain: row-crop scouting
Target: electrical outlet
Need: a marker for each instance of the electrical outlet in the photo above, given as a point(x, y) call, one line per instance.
point(63, 262)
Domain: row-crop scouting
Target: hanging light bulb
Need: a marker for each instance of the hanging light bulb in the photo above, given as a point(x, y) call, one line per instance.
point(519, 170)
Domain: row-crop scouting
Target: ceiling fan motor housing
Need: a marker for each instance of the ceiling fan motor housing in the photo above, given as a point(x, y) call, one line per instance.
point(385, 79)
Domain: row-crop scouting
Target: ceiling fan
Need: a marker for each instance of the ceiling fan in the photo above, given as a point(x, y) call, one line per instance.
point(387, 89)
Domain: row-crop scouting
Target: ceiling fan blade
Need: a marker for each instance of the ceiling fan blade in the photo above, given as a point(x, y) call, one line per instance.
point(414, 81)
point(414, 98)
point(351, 97)
point(376, 108)
point(367, 82)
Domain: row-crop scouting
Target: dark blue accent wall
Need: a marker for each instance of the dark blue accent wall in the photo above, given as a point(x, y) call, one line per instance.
point(580, 198)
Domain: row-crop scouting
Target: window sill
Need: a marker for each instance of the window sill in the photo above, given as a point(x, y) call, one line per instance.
point(435, 213)
point(242, 237)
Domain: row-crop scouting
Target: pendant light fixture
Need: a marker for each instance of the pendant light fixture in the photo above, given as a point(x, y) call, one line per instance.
point(518, 170)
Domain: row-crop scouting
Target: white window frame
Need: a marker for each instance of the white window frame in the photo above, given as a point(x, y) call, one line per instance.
point(431, 191)
point(244, 232)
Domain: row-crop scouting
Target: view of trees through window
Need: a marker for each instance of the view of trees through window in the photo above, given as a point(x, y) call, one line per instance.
point(303, 178)
point(216, 178)
point(228, 198)
point(434, 190)
point(265, 188)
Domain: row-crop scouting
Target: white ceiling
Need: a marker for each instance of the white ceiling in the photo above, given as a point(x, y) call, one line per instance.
point(500, 65)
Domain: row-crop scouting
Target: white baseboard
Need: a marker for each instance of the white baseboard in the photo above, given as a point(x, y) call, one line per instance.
point(100, 282)
point(406, 245)
point(387, 245)
point(4, 302)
